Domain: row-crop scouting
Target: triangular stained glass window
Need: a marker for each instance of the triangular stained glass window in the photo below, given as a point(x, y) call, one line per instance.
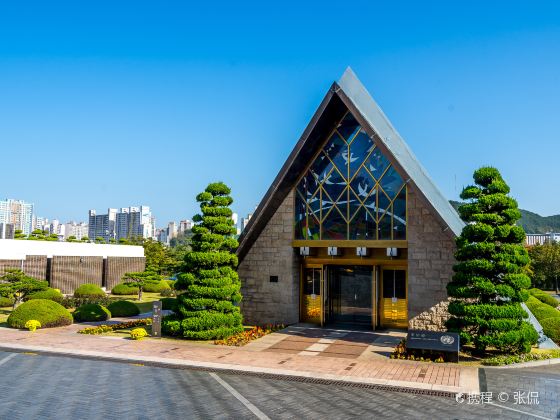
point(348, 127)
point(360, 148)
point(337, 151)
point(391, 182)
point(334, 184)
point(334, 226)
point(321, 167)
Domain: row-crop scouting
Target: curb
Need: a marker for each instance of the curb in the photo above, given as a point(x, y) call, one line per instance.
point(268, 373)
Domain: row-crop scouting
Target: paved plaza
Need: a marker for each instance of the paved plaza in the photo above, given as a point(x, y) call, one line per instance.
point(36, 386)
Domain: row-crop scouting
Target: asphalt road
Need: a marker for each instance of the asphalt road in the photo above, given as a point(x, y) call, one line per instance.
point(48, 387)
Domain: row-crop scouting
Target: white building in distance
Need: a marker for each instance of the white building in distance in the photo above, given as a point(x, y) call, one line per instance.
point(17, 213)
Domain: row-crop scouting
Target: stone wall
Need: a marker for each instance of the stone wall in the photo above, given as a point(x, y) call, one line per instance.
point(67, 273)
point(272, 255)
point(116, 267)
point(34, 266)
point(431, 249)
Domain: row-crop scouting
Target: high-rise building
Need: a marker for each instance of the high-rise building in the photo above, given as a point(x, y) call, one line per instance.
point(78, 230)
point(7, 231)
point(235, 218)
point(245, 221)
point(17, 213)
point(171, 230)
point(134, 222)
point(102, 225)
point(40, 223)
point(185, 225)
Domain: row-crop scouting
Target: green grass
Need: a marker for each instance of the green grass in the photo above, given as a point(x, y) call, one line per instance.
point(4, 313)
point(145, 305)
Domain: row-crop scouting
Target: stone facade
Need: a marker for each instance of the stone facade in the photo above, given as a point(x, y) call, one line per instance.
point(431, 249)
point(272, 255)
point(116, 267)
point(34, 266)
point(67, 273)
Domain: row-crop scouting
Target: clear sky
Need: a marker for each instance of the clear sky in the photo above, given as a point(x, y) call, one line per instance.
point(117, 103)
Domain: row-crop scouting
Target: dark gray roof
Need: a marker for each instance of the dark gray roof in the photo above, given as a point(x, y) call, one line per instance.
point(347, 93)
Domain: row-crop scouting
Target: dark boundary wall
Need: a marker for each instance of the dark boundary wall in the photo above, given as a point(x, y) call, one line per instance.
point(116, 267)
point(67, 273)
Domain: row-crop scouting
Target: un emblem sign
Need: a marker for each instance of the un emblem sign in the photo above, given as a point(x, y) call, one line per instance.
point(447, 339)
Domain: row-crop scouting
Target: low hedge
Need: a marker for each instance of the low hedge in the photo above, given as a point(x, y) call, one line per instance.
point(5, 302)
point(541, 310)
point(158, 287)
point(171, 283)
point(88, 290)
point(123, 308)
point(47, 312)
point(168, 303)
point(123, 289)
point(91, 312)
point(551, 328)
point(50, 294)
point(544, 297)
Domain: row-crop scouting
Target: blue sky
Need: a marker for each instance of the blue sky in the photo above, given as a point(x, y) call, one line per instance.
point(111, 104)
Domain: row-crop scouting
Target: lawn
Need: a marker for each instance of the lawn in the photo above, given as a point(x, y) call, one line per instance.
point(145, 305)
point(4, 313)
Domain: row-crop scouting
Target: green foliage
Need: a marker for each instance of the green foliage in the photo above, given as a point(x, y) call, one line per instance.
point(50, 294)
point(123, 308)
point(47, 312)
point(91, 312)
point(171, 283)
point(18, 234)
point(551, 328)
point(158, 287)
point(74, 302)
point(141, 280)
point(209, 289)
point(168, 303)
point(544, 297)
point(100, 329)
point(123, 289)
point(16, 285)
point(545, 265)
point(88, 290)
point(490, 275)
point(5, 302)
point(520, 358)
point(541, 310)
point(42, 235)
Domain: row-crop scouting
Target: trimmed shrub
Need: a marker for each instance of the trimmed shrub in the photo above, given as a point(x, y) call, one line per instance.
point(158, 287)
point(123, 289)
point(138, 333)
point(551, 328)
point(73, 302)
point(5, 302)
point(50, 294)
point(88, 290)
point(168, 293)
point(168, 303)
point(544, 297)
point(91, 312)
point(123, 308)
point(541, 310)
point(490, 283)
point(47, 312)
point(171, 283)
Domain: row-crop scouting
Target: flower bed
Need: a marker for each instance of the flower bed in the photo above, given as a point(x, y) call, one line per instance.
point(508, 359)
point(248, 335)
point(101, 329)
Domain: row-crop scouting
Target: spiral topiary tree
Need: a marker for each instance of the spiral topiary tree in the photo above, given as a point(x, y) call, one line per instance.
point(490, 281)
point(207, 309)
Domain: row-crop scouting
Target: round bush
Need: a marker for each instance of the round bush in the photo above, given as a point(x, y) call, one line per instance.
point(171, 283)
point(88, 290)
point(47, 312)
point(123, 308)
point(158, 287)
point(91, 312)
point(50, 294)
point(123, 289)
point(138, 333)
point(5, 302)
point(168, 303)
point(551, 328)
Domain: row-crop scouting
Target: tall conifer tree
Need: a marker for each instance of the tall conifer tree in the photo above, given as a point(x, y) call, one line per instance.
point(490, 281)
point(207, 309)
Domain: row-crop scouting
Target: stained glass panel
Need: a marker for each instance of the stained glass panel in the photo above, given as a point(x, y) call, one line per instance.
point(301, 217)
point(334, 185)
point(399, 216)
point(313, 227)
point(314, 203)
point(362, 183)
point(337, 150)
point(383, 202)
point(391, 182)
point(353, 204)
point(362, 226)
point(360, 148)
point(348, 127)
point(377, 163)
point(321, 168)
point(334, 226)
point(384, 227)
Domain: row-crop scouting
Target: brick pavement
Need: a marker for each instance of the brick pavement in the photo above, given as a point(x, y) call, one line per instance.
point(182, 353)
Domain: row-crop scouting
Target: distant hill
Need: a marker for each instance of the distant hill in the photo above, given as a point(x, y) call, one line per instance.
point(532, 222)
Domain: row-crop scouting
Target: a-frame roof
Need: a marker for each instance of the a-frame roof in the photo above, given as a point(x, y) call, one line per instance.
point(347, 94)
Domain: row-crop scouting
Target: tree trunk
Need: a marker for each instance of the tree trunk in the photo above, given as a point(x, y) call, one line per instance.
point(140, 294)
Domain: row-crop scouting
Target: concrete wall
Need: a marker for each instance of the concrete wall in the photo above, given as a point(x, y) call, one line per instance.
point(431, 249)
point(272, 255)
point(34, 266)
point(14, 249)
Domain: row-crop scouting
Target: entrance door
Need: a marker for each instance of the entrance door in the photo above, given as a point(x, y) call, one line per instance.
point(349, 292)
point(393, 311)
point(312, 281)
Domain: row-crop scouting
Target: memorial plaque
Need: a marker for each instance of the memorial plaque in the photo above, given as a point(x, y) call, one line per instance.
point(156, 319)
point(436, 341)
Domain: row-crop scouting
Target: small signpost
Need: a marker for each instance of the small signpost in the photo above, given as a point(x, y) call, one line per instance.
point(445, 342)
point(156, 319)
